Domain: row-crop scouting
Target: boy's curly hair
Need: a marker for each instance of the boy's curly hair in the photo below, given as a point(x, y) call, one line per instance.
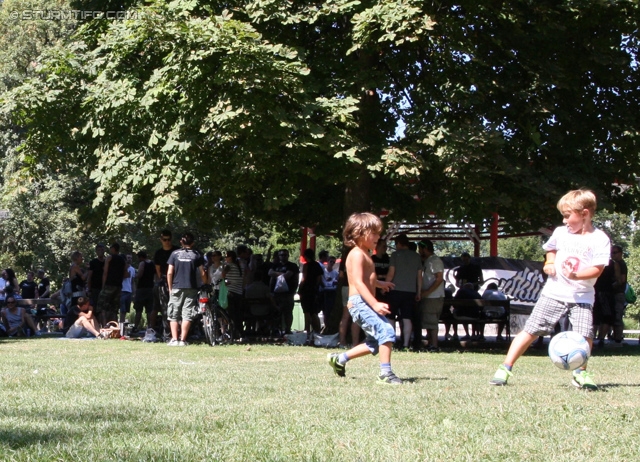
point(359, 225)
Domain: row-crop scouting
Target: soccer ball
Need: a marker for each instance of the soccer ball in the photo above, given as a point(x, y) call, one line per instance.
point(569, 350)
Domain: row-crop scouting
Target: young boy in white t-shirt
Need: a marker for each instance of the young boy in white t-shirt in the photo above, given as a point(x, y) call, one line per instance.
point(576, 255)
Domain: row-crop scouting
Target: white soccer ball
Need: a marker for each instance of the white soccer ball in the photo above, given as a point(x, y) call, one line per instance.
point(569, 350)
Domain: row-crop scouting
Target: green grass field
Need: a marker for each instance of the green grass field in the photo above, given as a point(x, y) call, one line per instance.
point(125, 400)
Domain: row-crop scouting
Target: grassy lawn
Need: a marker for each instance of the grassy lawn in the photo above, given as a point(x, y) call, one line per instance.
point(125, 400)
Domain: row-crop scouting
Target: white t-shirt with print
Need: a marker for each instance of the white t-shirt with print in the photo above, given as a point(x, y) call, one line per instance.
point(580, 251)
point(432, 266)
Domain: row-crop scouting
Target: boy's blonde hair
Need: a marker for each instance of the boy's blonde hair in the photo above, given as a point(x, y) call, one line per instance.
point(358, 225)
point(578, 200)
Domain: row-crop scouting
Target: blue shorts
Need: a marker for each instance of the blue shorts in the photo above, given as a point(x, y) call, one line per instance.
point(376, 327)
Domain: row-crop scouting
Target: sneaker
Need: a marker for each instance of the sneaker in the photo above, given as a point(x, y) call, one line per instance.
point(173, 342)
point(389, 379)
point(501, 376)
point(150, 336)
point(182, 343)
point(433, 349)
point(338, 368)
point(584, 379)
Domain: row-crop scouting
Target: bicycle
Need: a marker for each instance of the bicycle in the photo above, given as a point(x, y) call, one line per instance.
point(216, 323)
point(163, 297)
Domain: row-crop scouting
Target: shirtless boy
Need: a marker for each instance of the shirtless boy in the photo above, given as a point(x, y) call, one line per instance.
point(362, 232)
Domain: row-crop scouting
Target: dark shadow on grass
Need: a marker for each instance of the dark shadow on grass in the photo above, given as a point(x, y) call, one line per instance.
point(17, 439)
point(605, 386)
point(423, 379)
point(500, 349)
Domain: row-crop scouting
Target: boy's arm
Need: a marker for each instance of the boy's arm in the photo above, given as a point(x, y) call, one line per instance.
point(587, 273)
point(550, 263)
point(419, 285)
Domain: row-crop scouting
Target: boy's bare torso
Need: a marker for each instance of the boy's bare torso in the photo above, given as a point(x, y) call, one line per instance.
point(360, 266)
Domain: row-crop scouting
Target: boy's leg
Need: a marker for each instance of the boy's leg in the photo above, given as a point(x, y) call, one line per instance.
point(338, 360)
point(385, 352)
point(88, 325)
point(581, 317)
point(544, 317)
point(380, 337)
point(387, 377)
point(520, 344)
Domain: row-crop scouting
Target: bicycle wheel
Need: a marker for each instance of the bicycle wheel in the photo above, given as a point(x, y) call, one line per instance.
point(223, 327)
point(208, 327)
point(163, 296)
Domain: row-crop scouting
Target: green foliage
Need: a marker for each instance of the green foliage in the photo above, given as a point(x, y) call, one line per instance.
point(218, 114)
point(621, 228)
point(22, 41)
point(632, 259)
point(522, 248)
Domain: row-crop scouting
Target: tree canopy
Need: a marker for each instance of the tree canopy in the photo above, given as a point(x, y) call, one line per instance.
point(300, 112)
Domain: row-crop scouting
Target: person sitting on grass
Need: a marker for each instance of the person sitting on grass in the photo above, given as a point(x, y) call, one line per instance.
point(86, 321)
point(362, 232)
point(16, 319)
point(576, 255)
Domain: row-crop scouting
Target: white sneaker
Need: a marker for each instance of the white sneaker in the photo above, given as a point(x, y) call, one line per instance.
point(150, 336)
point(173, 342)
point(181, 343)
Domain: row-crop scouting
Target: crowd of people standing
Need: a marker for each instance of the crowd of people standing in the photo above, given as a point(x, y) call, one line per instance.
point(105, 289)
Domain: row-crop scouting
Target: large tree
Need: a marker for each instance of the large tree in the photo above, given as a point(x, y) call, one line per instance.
point(299, 112)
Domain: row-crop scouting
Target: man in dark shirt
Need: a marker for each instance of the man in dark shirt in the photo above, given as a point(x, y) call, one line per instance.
point(608, 309)
point(468, 272)
point(284, 298)
point(160, 259)
point(144, 296)
point(44, 291)
point(381, 260)
point(94, 276)
point(44, 286)
point(467, 292)
point(28, 287)
point(182, 281)
point(115, 270)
